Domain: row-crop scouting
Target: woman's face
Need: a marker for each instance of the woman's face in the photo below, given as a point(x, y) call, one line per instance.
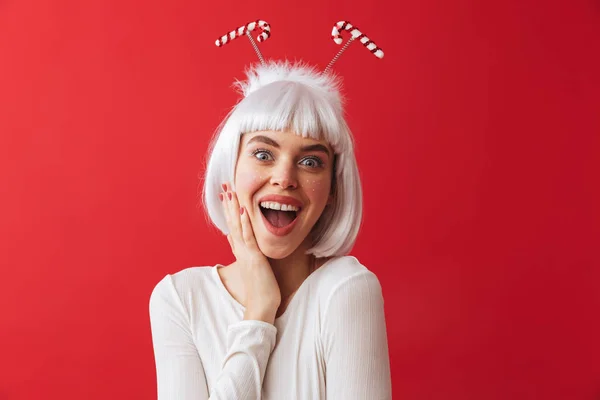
point(272, 164)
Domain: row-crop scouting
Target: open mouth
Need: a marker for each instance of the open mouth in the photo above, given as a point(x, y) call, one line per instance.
point(278, 219)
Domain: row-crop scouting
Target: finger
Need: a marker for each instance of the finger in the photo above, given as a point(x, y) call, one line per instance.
point(223, 198)
point(247, 231)
point(231, 244)
point(234, 213)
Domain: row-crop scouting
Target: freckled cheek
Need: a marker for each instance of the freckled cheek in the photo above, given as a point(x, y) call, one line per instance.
point(317, 189)
point(246, 184)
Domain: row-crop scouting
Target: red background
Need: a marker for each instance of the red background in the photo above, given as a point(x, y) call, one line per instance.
point(477, 140)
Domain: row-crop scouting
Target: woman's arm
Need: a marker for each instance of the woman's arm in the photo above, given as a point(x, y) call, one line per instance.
point(355, 341)
point(179, 370)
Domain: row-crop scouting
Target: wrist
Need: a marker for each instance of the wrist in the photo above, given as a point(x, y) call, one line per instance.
point(265, 316)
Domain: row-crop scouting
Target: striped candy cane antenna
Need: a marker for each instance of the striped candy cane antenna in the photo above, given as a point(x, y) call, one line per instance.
point(245, 30)
point(355, 34)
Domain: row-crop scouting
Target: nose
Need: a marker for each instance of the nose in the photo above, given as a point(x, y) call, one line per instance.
point(284, 175)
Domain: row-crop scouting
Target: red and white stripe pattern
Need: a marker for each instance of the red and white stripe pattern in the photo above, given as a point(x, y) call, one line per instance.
point(356, 34)
point(262, 25)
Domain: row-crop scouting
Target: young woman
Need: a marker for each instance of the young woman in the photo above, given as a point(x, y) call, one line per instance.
point(294, 316)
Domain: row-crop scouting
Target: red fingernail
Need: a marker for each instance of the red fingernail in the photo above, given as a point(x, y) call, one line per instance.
point(241, 210)
point(221, 196)
point(224, 186)
point(229, 195)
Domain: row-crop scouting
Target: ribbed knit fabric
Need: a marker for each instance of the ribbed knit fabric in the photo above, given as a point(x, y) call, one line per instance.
point(330, 343)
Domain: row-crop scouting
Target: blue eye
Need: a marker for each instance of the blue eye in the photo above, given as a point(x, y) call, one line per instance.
point(262, 154)
point(315, 162)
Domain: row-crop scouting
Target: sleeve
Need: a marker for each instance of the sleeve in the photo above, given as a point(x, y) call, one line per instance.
point(355, 341)
point(179, 370)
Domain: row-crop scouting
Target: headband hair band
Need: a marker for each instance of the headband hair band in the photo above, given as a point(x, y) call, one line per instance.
point(335, 35)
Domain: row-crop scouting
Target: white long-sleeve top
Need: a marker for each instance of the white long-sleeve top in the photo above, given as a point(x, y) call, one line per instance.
point(330, 343)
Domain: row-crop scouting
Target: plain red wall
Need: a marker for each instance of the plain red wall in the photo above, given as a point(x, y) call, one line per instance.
point(478, 144)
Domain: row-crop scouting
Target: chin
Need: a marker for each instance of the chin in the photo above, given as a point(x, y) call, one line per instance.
point(275, 252)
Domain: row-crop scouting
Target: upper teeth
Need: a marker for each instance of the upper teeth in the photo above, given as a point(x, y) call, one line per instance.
point(278, 206)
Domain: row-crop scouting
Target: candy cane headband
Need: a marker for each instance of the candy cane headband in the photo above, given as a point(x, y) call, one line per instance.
point(335, 35)
point(246, 29)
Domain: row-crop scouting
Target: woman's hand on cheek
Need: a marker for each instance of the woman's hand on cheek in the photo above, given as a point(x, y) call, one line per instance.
point(263, 296)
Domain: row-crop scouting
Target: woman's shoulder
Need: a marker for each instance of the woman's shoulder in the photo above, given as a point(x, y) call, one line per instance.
point(338, 268)
point(348, 284)
point(184, 282)
point(343, 271)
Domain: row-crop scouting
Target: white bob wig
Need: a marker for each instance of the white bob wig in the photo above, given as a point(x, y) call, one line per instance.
point(281, 96)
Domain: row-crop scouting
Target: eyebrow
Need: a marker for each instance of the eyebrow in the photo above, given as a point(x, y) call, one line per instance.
point(271, 142)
